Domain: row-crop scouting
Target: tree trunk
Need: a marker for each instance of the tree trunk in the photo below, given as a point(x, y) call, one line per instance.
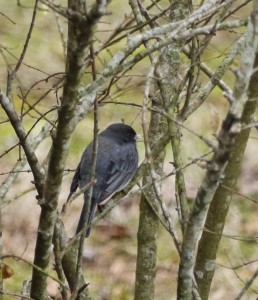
point(148, 224)
point(216, 217)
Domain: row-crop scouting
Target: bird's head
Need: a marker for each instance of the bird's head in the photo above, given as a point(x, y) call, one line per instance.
point(122, 131)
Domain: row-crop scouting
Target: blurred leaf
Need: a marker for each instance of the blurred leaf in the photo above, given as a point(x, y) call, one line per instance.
point(7, 271)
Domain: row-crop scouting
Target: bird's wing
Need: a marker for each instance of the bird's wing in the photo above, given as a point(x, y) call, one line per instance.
point(75, 182)
point(122, 167)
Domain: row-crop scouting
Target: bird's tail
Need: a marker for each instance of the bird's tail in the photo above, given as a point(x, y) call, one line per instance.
point(83, 216)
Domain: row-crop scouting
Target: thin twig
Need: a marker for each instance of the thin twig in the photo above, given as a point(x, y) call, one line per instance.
point(16, 257)
point(25, 47)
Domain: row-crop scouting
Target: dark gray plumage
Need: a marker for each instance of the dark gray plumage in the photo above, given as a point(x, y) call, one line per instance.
point(117, 161)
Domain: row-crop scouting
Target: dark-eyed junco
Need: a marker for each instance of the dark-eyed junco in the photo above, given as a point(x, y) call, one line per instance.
point(117, 161)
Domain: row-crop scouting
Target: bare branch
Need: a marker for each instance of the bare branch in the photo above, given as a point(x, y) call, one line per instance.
point(25, 142)
point(15, 257)
point(230, 129)
point(247, 285)
point(78, 45)
point(119, 61)
point(10, 76)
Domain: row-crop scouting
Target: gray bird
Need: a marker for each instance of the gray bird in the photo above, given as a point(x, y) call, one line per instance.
point(117, 161)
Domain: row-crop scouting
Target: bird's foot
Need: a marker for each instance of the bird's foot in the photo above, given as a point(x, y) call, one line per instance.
point(101, 207)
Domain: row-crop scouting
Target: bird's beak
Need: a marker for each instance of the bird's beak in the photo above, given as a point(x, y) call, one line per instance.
point(138, 138)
